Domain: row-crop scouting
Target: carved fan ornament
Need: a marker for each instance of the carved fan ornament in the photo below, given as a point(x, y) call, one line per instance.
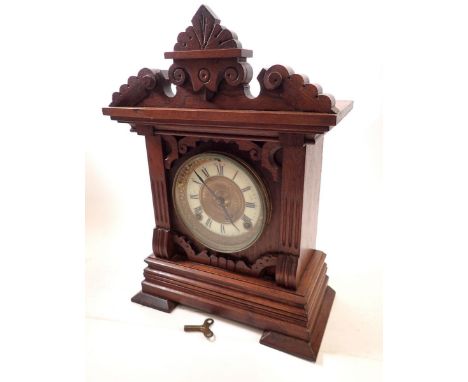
point(210, 71)
point(206, 33)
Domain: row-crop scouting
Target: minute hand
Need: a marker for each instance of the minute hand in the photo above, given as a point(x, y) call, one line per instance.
point(228, 216)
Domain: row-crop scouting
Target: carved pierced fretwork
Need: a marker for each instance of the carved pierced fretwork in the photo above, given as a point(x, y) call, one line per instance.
point(284, 265)
point(253, 149)
point(269, 150)
point(188, 142)
point(170, 144)
point(225, 262)
point(264, 154)
point(206, 33)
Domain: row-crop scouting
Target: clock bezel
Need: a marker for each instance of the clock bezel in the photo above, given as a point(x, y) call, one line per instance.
point(264, 197)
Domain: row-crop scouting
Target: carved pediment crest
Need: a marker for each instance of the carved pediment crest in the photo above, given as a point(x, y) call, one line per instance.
point(210, 70)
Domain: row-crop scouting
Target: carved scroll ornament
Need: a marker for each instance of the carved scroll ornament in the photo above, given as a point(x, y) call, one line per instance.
point(210, 71)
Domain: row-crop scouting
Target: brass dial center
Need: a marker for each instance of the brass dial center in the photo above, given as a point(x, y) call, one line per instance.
point(220, 195)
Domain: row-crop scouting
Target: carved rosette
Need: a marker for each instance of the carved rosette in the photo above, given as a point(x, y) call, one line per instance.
point(209, 74)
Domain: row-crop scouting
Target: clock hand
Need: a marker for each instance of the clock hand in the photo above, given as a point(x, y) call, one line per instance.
point(208, 187)
point(218, 200)
point(228, 216)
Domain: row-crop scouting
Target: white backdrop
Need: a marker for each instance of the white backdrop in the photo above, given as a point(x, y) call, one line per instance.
point(345, 60)
point(393, 184)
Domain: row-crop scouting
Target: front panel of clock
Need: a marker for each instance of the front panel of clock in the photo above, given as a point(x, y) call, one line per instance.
point(221, 201)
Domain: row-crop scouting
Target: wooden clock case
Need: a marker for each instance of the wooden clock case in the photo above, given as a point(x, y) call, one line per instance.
point(280, 283)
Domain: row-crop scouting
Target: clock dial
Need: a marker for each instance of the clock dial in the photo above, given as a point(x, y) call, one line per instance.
point(221, 201)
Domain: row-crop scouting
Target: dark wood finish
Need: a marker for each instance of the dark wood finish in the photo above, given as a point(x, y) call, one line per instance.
point(162, 241)
point(310, 200)
point(154, 302)
point(305, 349)
point(225, 53)
point(257, 268)
point(279, 284)
point(250, 300)
point(313, 123)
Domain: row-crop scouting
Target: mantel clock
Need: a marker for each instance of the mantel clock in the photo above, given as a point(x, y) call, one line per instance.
point(235, 182)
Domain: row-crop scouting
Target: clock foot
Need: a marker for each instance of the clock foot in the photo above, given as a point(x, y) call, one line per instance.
point(296, 346)
point(154, 302)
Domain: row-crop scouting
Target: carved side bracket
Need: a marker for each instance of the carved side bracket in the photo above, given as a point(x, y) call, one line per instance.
point(162, 243)
point(170, 144)
point(269, 150)
point(285, 274)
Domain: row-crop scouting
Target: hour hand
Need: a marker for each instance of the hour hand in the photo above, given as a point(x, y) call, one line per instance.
point(209, 189)
point(199, 177)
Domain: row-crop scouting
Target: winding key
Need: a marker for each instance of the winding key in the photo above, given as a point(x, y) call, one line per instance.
point(205, 328)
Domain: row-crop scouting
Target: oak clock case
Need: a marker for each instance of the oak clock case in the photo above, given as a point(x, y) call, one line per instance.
point(235, 182)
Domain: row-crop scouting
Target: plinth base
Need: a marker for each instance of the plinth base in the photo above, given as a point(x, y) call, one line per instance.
point(304, 349)
point(293, 321)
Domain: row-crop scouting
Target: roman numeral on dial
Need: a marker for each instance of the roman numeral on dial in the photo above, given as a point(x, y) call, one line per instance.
point(220, 169)
point(246, 219)
point(205, 172)
point(208, 222)
point(221, 228)
point(250, 205)
point(193, 196)
point(245, 189)
point(198, 210)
